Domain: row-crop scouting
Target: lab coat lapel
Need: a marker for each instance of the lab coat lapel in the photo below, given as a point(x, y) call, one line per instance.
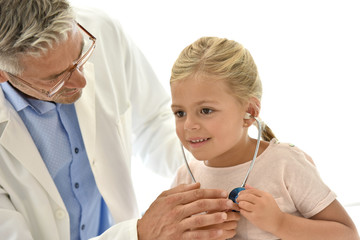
point(85, 109)
point(16, 139)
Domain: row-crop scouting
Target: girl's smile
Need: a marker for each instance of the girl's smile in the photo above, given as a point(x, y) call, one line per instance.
point(198, 142)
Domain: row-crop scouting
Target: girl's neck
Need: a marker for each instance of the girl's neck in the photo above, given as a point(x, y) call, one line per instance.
point(239, 154)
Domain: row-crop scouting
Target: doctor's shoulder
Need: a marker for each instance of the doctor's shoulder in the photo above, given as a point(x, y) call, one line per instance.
point(105, 27)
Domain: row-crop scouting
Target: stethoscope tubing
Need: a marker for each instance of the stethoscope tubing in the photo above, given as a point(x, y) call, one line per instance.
point(252, 162)
point(187, 164)
point(255, 153)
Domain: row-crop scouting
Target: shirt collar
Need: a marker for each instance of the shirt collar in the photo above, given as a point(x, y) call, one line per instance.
point(20, 101)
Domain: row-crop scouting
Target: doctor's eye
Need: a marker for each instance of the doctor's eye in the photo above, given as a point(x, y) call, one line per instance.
point(206, 111)
point(180, 114)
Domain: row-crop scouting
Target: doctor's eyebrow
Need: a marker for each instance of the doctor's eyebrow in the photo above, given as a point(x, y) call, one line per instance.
point(54, 76)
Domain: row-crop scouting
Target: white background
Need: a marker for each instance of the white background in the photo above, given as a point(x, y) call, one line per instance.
point(308, 56)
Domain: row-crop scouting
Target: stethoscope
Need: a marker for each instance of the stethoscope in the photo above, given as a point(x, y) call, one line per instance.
point(235, 192)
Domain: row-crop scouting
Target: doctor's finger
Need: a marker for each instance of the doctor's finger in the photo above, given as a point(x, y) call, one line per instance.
point(213, 234)
point(226, 234)
point(206, 205)
point(198, 194)
point(233, 216)
point(225, 226)
point(179, 189)
point(204, 221)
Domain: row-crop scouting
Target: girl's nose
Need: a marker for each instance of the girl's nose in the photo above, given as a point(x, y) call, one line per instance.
point(191, 123)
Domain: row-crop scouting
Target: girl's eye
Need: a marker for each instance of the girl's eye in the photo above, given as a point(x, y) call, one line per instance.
point(206, 111)
point(180, 114)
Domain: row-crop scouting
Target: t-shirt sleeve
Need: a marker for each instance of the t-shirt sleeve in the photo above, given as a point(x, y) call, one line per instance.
point(308, 191)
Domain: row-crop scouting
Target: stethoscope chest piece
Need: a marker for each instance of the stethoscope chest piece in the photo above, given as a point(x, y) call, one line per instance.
point(235, 193)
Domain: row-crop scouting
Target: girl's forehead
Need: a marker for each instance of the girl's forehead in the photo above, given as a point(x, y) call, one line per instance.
point(204, 88)
point(194, 84)
point(201, 89)
point(201, 82)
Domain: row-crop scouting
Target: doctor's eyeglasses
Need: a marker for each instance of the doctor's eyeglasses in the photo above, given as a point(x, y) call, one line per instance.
point(88, 49)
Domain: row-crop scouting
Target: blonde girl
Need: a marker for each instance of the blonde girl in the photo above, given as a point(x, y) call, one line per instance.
point(214, 85)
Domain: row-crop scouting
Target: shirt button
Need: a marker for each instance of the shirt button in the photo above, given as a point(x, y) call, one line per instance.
point(83, 227)
point(77, 185)
point(60, 214)
point(76, 150)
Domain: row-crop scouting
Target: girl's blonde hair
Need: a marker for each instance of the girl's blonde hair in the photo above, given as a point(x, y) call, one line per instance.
point(224, 59)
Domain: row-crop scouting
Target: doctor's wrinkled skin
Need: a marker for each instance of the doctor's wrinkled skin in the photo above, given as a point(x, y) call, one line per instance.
point(76, 103)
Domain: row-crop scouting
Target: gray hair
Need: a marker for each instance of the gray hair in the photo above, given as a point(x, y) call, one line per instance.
point(31, 27)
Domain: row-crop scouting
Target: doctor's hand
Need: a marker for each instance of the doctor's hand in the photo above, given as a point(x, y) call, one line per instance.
point(229, 226)
point(175, 215)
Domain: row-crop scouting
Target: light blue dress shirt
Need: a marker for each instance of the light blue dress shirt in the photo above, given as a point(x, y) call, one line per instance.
point(55, 130)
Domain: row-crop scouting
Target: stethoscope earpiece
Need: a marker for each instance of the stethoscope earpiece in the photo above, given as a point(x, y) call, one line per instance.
point(247, 116)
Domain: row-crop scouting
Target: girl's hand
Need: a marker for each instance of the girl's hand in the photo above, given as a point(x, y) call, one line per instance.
point(260, 208)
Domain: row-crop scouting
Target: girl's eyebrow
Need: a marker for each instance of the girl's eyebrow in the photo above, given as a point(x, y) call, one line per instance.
point(202, 102)
point(206, 101)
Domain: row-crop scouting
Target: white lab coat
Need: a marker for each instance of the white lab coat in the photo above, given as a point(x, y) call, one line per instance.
point(122, 99)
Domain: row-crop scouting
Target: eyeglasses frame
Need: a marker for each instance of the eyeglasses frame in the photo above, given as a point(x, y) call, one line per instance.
point(60, 83)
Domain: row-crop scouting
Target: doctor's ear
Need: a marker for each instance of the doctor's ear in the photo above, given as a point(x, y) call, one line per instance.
point(3, 76)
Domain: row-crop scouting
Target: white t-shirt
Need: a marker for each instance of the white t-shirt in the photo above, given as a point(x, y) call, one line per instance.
point(283, 170)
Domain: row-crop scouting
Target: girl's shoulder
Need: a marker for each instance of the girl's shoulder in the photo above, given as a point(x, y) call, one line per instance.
point(287, 152)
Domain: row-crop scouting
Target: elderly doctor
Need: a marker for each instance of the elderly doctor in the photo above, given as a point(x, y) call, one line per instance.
point(65, 149)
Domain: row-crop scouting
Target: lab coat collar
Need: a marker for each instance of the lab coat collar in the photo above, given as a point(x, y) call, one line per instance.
point(15, 138)
point(20, 101)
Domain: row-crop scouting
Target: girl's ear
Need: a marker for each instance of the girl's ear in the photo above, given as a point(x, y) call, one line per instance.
point(3, 76)
point(254, 107)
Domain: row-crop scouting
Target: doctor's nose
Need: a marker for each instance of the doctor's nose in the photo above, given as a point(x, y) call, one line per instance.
point(77, 79)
